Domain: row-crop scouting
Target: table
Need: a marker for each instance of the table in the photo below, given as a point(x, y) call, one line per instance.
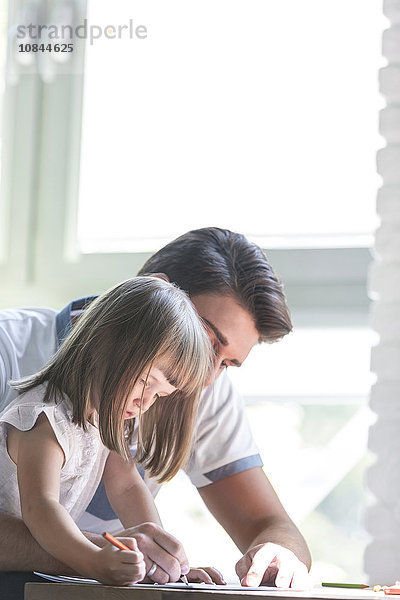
point(70, 591)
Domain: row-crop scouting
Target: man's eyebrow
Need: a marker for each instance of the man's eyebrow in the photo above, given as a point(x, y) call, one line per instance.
point(222, 339)
point(235, 362)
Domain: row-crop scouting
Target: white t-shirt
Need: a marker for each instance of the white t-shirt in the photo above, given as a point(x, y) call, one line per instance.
point(222, 443)
point(85, 454)
point(27, 340)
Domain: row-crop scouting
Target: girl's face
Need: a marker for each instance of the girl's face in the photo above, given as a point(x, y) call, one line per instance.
point(147, 390)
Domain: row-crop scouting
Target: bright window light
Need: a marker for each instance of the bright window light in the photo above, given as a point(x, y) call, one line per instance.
point(313, 362)
point(256, 116)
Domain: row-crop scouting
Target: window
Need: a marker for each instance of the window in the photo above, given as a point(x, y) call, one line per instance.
point(118, 190)
point(262, 120)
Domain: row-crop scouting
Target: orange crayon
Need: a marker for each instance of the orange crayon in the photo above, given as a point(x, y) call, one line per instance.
point(110, 538)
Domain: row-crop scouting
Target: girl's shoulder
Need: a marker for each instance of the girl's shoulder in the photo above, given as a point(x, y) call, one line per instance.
point(24, 410)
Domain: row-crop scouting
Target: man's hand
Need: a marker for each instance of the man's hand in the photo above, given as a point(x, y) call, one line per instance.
point(271, 564)
point(160, 548)
point(208, 575)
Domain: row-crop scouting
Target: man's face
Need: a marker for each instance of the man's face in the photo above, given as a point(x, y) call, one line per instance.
point(230, 327)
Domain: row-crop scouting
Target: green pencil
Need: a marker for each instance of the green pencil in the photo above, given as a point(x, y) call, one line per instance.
point(358, 586)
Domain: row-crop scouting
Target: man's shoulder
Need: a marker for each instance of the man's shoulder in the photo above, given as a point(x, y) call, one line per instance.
point(27, 339)
point(24, 328)
point(18, 317)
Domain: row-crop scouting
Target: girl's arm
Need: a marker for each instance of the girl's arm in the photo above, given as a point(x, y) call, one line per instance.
point(134, 505)
point(39, 462)
point(127, 493)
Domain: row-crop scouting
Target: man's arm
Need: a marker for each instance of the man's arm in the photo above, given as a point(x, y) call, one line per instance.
point(247, 507)
point(19, 551)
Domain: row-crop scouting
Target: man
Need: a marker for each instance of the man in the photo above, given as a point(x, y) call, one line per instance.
point(241, 302)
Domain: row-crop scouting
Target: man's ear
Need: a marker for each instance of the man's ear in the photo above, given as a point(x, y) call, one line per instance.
point(160, 276)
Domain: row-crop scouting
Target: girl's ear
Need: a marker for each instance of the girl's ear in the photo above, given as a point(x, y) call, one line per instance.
point(162, 276)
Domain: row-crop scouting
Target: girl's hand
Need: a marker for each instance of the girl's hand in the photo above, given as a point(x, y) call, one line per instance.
point(120, 567)
point(161, 548)
point(206, 575)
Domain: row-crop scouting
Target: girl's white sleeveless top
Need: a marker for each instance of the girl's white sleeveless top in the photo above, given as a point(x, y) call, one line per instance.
point(85, 454)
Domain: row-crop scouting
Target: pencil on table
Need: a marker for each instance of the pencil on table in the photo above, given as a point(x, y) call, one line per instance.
point(358, 586)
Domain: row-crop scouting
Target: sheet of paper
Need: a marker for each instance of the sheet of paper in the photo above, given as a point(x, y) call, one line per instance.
point(229, 586)
point(178, 584)
point(65, 579)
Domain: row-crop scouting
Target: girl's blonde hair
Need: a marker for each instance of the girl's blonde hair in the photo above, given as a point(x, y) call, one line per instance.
point(137, 323)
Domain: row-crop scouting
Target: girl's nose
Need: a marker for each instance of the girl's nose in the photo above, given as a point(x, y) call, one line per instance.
point(147, 401)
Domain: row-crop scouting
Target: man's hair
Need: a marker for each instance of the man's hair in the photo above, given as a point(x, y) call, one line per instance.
point(135, 324)
point(217, 261)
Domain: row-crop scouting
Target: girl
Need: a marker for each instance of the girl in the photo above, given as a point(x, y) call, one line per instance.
point(138, 345)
